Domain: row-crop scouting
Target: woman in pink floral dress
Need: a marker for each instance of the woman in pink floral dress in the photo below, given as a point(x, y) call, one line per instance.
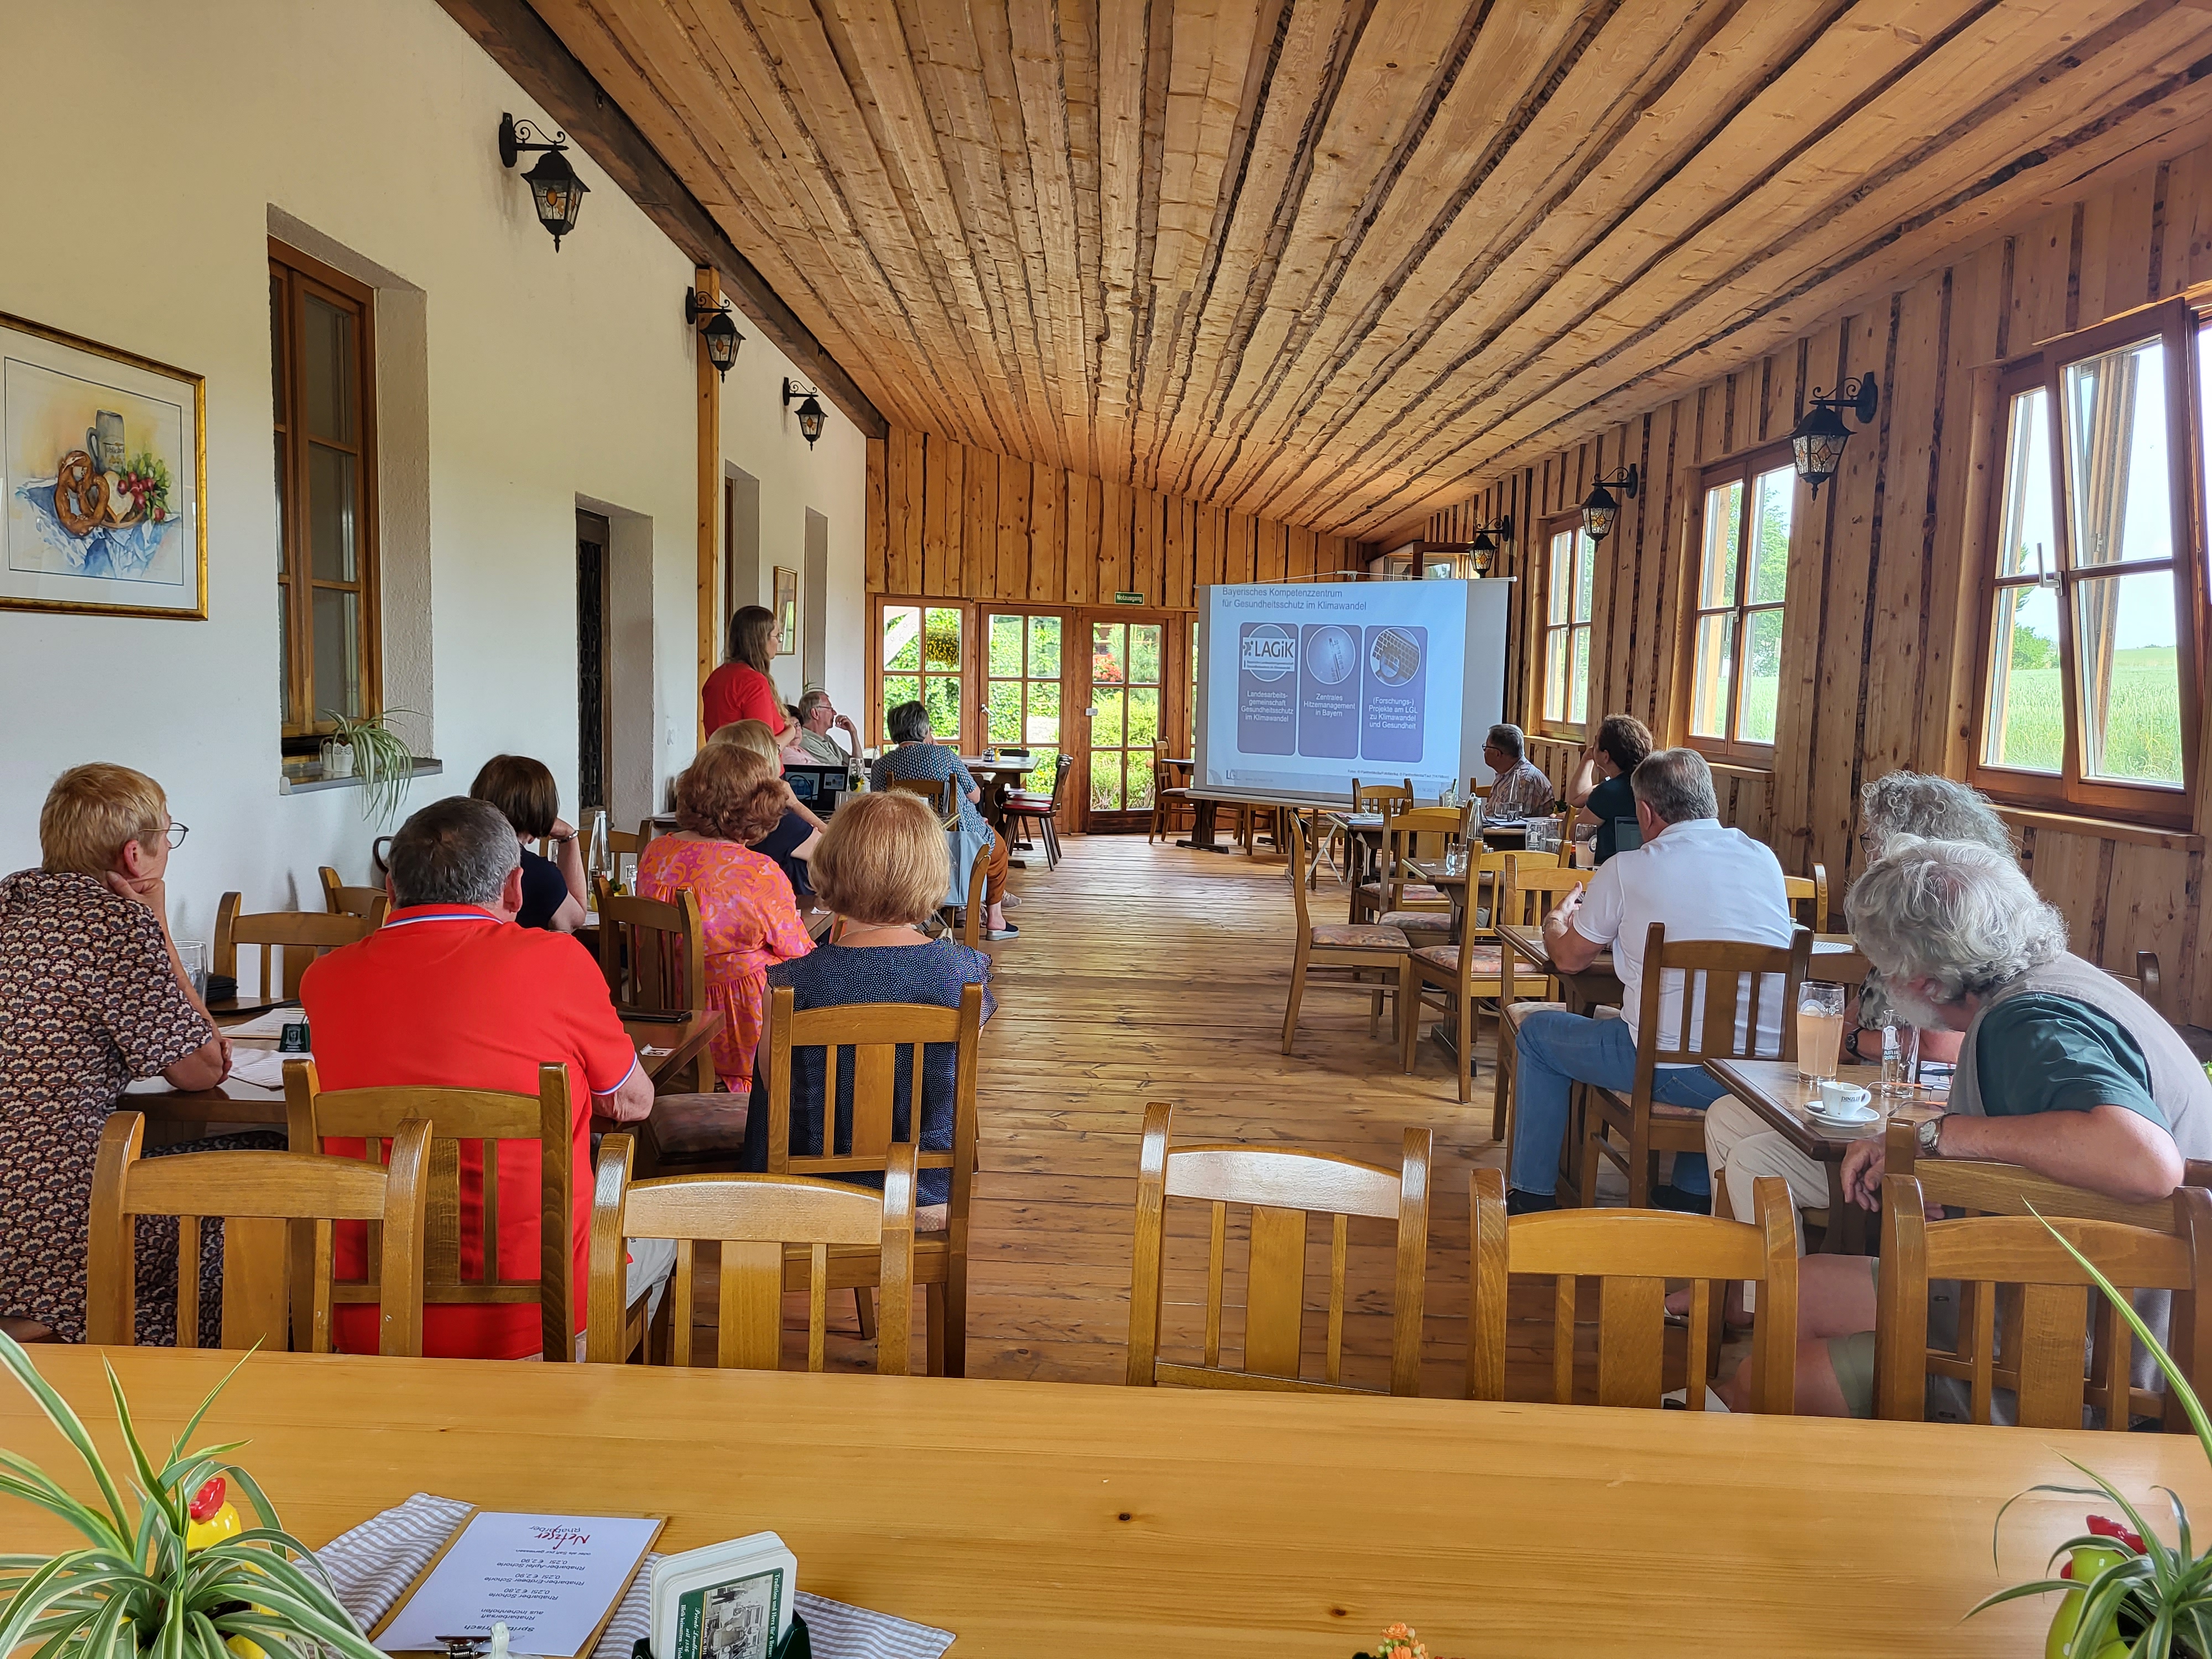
point(726, 798)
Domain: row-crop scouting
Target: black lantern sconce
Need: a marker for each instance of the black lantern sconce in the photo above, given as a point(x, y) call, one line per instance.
point(719, 335)
point(1602, 508)
point(1484, 548)
point(812, 417)
point(1817, 439)
point(555, 190)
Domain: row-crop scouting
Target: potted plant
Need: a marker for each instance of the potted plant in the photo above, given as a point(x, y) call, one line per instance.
point(179, 1580)
point(2127, 1594)
point(367, 748)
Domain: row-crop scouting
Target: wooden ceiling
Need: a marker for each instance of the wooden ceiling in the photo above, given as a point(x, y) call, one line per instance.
point(1333, 261)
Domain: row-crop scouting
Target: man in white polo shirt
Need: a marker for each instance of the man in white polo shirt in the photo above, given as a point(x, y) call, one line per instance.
point(1703, 882)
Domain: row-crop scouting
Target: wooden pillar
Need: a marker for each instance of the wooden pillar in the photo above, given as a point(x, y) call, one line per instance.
point(708, 282)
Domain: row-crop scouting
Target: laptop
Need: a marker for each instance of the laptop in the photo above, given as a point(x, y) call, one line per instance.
point(817, 788)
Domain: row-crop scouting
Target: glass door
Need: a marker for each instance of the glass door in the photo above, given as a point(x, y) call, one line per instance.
point(1128, 677)
point(1021, 705)
point(922, 655)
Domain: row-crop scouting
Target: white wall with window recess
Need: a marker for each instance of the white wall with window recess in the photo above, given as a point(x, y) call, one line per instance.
point(549, 376)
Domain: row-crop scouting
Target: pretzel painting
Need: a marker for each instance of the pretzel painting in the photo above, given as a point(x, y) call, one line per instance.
point(80, 494)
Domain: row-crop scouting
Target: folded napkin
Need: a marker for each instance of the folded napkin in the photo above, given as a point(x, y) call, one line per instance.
point(371, 1567)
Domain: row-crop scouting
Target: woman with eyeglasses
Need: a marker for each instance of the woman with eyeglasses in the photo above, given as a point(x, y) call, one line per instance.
point(93, 996)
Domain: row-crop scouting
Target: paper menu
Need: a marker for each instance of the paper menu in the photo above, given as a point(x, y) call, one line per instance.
point(552, 1579)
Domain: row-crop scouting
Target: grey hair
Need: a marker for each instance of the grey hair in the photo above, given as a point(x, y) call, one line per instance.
point(1936, 808)
point(1508, 737)
point(908, 723)
point(1955, 913)
point(811, 701)
point(455, 851)
point(1676, 784)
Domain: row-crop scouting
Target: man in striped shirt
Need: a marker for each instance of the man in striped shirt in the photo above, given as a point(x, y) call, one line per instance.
point(1520, 791)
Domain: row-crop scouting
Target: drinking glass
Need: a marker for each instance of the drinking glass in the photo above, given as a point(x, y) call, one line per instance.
point(1900, 1053)
point(194, 956)
point(1819, 1028)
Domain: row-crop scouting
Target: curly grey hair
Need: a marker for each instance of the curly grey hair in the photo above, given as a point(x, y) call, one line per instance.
point(1957, 915)
point(1936, 809)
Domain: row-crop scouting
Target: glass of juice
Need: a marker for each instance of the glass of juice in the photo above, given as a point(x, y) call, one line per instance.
point(1819, 1028)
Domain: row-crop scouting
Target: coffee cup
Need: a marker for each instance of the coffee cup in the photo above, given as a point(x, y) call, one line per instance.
point(1842, 1099)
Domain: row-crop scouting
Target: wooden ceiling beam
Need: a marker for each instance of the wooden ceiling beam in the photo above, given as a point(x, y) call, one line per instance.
point(519, 42)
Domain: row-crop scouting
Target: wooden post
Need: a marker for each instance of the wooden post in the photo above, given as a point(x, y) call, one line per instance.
point(708, 282)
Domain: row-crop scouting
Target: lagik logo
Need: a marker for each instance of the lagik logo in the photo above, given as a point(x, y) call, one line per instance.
point(1269, 651)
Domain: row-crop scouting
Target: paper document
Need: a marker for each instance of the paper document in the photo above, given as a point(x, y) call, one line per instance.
point(264, 1067)
point(552, 1579)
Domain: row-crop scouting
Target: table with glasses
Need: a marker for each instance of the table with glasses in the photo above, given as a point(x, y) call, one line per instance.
point(1083, 1522)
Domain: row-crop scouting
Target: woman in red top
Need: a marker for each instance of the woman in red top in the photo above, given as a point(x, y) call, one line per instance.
point(740, 688)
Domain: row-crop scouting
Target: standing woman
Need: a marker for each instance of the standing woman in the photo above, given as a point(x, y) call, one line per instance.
point(726, 799)
point(740, 689)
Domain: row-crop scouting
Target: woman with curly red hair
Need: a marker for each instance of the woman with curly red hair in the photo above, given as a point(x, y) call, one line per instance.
point(726, 798)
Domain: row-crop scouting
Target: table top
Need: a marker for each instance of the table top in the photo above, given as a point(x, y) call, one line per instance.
point(1075, 1521)
point(227, 1012)
point(977, 764)
point(1773, 1089)
point(1528, 941)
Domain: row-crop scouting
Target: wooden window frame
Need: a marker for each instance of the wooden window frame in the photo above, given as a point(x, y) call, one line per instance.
point(1544, 723)
point(969, 674)
point(2175, 322)
point(986, 609)
point(295, 275)
point(1174, 626)
point(1743, 468)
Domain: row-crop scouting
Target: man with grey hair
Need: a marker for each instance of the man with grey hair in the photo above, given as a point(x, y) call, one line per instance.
point(1518, 789)
point(449, 992)
point(1703, 882)
point(817, 718)
point(2062, 1070)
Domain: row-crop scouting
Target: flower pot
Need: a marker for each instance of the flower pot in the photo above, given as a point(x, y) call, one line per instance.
point(338, 758)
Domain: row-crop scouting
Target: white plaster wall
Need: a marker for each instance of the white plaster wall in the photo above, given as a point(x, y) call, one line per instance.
point(550, 376)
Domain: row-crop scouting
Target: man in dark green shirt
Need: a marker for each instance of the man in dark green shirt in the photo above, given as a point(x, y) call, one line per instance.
point(1600, 784)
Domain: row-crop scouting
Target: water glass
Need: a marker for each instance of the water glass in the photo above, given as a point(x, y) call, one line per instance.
point(1900, 1053)
point(194, 956)
point(1456, 861)
point(1819, 1029)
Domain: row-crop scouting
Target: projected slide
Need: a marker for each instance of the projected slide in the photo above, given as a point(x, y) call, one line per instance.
point(1304, 686)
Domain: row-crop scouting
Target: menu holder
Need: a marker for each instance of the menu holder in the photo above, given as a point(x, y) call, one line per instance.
point(453, 1603)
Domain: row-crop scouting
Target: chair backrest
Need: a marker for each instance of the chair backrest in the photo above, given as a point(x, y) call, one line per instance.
point(938, 792)
point(1301, 856)
point(1066, 764)
point(1633, 1253)
point(755, 1218)
point(1735, 978)
point(1372, 797)
point(2049, 1318)
point(1530, 885)
point(340, 900)
point(289, 939)
point(1280, 1185)
point(652, 952)
point(278, 1211)
point(482, 1118)
point(1416, 832)
point(971, 924)
point(1808, 898)
point(2146, 982)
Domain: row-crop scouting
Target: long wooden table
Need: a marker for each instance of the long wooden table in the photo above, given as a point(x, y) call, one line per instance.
point(1075, 1521)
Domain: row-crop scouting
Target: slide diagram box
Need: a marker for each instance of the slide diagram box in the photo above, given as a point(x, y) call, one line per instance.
point(1395, 673)
point(1267, 688)
point(1329, 691)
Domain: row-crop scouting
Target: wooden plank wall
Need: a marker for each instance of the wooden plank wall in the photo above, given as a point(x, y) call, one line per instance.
point(1878, 666)
point(949, 521)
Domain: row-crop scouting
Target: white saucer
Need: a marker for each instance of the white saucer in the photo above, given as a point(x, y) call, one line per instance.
point(1855, 1117)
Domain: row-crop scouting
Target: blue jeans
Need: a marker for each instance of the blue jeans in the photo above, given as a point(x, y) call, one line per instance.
point(1555, 1050)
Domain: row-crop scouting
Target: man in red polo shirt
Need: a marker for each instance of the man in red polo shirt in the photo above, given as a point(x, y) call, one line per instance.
point(450, 992)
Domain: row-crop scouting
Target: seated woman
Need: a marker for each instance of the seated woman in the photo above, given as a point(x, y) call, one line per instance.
point(798, 832)
point(726, 799)
point(553, 895)
point(93, 996)
point(916, 757)
point(883, 866)
point(1599, 789)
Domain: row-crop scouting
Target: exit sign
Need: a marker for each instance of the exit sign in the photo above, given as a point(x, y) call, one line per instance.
point(1128, 599)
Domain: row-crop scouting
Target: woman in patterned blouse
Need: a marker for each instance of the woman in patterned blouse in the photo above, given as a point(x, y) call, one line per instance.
point(92, 995)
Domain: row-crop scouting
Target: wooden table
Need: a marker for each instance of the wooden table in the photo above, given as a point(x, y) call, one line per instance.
point(1772, 1089)
point(1598, 985)
point(1054, 1518)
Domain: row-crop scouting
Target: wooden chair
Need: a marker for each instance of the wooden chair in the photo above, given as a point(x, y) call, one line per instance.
point(1467, 971)
point(873, 1035)
point(278, 1210)
point(484, 1119)
point(943, 793)
point(1281, 1185)
point(1370, 797)
point(1633, 1253)
point(289, 939)
point(764, 1225)
point(1529, 888)
point(1023, 808)
point(1172, 802)
point(968, 918)
point(340, 900)
point(653, 954)
point(2148, 982)
point(1808, 898)
point(2048, 1323)
point(1734, 976)
point(1404, 900)
point(1355, 948)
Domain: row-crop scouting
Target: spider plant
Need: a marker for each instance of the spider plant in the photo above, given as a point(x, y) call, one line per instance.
point(381, 759)
point(134, 1588)
point(2143, 1599)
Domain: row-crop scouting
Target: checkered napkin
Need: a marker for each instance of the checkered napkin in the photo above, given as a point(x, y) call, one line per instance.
point(371, 1567)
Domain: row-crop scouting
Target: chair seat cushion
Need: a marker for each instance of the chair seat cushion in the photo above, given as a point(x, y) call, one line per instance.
point(1514, 1012)
point(1419, 921)
point(689, 1127)
point(1446, 957)
point(1413, 892)
point(1360, 936)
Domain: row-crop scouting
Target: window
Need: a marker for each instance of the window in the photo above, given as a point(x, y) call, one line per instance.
point(321, 328)
point(1022, 686)
point(923, 653)
point(2090, 598)
point(1570, 583)
point(1743, 567)
point(1126, 685)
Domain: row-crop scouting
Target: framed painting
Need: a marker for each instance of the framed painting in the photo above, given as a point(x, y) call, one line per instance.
point(787, 612)
point(103, 479)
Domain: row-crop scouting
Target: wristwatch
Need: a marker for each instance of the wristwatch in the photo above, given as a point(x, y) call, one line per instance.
point(1929, 1134)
